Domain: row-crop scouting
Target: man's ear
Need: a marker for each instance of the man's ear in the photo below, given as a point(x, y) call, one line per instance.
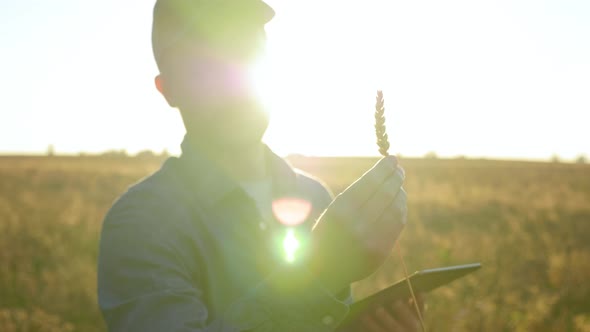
point(161, 86)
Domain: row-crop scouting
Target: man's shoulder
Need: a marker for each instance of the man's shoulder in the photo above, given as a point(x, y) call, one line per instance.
point(314, 187)
point(160, 193)
point(311, 182)
point(308, 185)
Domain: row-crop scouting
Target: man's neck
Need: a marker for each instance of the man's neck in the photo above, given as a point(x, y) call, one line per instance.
point(242, 163)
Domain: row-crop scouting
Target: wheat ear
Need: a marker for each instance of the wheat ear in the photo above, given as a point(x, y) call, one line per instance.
point(383, 144)
point(380, 128)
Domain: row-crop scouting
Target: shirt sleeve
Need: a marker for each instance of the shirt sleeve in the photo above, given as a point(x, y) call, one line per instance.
point(321, 197)
point(144, 284)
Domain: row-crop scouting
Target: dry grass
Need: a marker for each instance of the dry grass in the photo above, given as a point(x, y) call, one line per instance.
point(528, 223)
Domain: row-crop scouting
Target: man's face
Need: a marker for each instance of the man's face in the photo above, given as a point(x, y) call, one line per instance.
point(210, 82)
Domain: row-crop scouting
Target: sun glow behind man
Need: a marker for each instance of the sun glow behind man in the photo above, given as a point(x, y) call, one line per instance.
point(481, 62)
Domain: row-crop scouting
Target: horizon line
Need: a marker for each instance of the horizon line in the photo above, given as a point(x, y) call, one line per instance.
point(122, 153)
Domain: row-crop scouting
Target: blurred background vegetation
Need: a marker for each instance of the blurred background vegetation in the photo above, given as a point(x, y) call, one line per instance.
point(528, 223)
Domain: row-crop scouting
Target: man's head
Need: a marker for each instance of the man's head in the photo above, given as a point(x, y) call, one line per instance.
point(205, 50)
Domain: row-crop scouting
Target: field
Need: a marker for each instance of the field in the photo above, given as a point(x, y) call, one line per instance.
point(528, 223)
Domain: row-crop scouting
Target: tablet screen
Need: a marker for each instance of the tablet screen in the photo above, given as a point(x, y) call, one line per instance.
point(422, 282)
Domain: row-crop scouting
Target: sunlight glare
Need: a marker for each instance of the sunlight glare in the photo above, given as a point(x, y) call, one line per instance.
point(312, 74)
point(291, 245)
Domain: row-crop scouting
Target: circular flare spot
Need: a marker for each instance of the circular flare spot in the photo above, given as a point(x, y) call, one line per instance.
point(291, 211)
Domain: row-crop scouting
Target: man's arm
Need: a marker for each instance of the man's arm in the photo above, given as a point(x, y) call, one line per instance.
point(145, 284)
point(321, 196)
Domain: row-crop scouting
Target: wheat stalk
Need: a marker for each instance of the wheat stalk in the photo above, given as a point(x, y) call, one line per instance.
point(383, 144)
point(380, 128)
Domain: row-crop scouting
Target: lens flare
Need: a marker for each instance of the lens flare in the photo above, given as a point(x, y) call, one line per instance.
point(291, 211)
point(291, 245)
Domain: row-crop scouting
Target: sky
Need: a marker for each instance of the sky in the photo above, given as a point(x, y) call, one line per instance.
point(496, 79)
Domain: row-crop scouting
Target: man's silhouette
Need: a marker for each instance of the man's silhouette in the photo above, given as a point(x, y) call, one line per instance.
point(198, 245)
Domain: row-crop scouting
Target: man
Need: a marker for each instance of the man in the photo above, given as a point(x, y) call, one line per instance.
point(197, 246)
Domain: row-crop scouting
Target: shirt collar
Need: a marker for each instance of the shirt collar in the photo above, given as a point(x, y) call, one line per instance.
point(211, 184)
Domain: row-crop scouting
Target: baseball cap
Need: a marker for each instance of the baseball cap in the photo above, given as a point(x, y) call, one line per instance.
point(175, 21)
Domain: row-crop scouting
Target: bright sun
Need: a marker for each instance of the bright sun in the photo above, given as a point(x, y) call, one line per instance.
point(313, 74)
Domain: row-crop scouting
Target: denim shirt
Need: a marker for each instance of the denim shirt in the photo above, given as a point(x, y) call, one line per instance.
point(184, 250)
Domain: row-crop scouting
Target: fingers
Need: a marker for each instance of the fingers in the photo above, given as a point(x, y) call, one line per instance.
point(382, 199)
point(386, 320)
point(406, 315)
point(387, 229)
point(397, 317)
point(421, 299)
point(381, 321)
point(370, 324)
point(397, 211)
point(366, 186)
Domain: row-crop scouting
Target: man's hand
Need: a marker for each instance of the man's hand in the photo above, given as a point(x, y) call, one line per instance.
point(396, 316)
point(356, 233)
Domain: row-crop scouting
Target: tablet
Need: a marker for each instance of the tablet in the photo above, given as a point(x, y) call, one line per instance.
point(422, 282)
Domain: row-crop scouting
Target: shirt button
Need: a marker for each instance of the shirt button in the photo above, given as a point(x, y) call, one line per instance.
point(262, 225)
point(328, 320)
